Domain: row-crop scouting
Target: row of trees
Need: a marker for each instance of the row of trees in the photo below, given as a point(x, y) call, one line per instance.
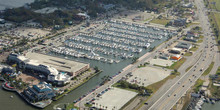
point(141, 89)
point(58, 17)
point(92, 7)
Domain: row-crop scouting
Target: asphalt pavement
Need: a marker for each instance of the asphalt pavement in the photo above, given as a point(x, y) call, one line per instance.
point(170, 97)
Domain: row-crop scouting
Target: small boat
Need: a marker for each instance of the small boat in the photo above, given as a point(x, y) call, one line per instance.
point(11, 96)
point(213, 102)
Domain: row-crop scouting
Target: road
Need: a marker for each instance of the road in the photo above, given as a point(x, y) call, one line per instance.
point(187, 80)
point(125, 71)
point(190, 61)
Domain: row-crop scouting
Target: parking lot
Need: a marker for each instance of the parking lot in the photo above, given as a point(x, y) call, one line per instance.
point(161, 62)
point(114, 99)
point(148, 75)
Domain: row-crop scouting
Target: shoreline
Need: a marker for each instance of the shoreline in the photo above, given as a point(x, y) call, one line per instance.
point(37, 104)
point(71, 89)
point(20, 94)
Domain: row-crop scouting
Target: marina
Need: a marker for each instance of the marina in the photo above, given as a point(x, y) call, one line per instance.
point(102, 54)
point(117, 41)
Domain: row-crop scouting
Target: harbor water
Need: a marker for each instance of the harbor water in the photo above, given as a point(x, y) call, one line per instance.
point(209, 106)
point(13, 3)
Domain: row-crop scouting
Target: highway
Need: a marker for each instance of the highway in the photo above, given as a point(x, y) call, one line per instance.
point(170, 97)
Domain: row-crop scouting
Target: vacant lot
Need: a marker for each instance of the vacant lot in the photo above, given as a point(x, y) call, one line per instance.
point(160, 21)
point(28, 79)
point(148, 75)
point(161, 62)
point(114, 99)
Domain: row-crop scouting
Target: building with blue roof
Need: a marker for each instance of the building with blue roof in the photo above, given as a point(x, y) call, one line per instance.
point(42, 91)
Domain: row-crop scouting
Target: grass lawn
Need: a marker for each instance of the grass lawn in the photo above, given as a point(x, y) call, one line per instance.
point(197, 85)
point(189, 24)
point(188, 54)
point(207, 71)
point(160, 21)
point(71, 106)
point(154, 87)
point(216, 6)
point(214, 89)
point(177, 64)
point(187, 69)
point(218, 71)
point(200, 41)
point(201, 36)
point(147, 19)
point(217, 19)
point(193, 48)
point(118, 86)
point(186, 101)
point(215, 22)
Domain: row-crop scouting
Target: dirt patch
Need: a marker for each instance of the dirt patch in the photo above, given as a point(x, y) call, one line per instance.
point(28, 79)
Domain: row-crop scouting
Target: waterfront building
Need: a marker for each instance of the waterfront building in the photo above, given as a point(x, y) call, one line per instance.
point(71, 67)
point(52, 73)
point(42, 91)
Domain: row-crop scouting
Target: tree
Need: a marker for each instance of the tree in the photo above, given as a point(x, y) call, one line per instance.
point(175, 70)
point(134, 60)
point(14, 65)
point(96, 69)
point(124, 84)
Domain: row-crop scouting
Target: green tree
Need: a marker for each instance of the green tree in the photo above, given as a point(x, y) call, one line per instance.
point(124, 84)
point(96, 69)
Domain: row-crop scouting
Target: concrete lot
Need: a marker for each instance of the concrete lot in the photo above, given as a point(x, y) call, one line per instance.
point(161, 62)
point(56, 62)
point(114, 99)
point(148, 75)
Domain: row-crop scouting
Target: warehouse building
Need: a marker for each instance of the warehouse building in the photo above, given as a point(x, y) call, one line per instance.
point(56, 70)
